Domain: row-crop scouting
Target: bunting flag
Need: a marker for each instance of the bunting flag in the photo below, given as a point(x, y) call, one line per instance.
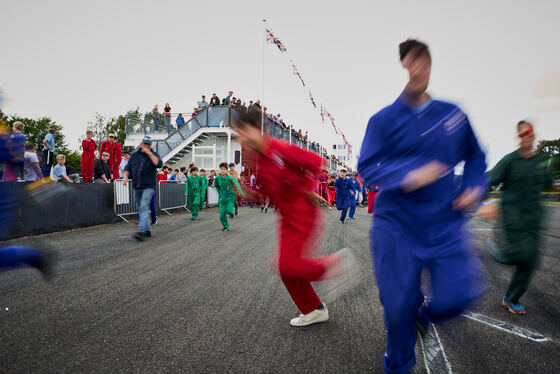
point(296, 72)
point(312, 101)
point(271, 38)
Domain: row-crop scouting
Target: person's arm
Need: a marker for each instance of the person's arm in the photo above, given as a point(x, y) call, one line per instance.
point(489, 209)
point(35, 166)
point(236, 185)
point(187, 187)
point(104, 177)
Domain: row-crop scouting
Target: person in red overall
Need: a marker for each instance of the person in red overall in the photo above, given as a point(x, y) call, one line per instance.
point(331, 192)
point(115, 151)
point(287, 174)
point(372, 191)
point(88, 157)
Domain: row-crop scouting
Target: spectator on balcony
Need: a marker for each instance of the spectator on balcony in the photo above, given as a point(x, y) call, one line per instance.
point(155, 117)
point(167, 117)
point(32, 171)
point(243, 107)
point(238, 104)
point(214, 100)
point(180, 121)
point(194, 112)
point(250, 105)
point(182, 176)
point(101, 170)
point(59, 170)
point(227, 99)
point(257, 105)
point(202, 103)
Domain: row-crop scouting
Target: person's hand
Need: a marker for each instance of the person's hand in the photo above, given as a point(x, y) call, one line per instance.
point(468, 198)
point(316, 199)
point(125, 181)
point(423, 176)
point(489, 211)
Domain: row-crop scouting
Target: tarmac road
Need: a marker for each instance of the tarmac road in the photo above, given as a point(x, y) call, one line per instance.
point(197, 300)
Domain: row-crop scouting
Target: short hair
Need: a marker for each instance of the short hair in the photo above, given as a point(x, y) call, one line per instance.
point(177, 170)
point(29, 146)
point(164, 168)
point(244, 119)
point(89, 132)
point(18, 125)
point(60, 157)
point(194, 168)
point(183, 168)
point(202, 170)
point(415, 47)
point(523, 122)
point(223, 165)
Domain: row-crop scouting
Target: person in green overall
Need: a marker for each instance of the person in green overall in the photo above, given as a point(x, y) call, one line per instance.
point(225, 184)
point(193, 191)
point(524, 176)
point(204, 188)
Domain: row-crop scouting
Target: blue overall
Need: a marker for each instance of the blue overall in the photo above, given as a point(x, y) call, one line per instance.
point(344, 197)
point(420, 229)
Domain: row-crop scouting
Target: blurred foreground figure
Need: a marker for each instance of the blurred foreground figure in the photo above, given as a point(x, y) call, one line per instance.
point(287, 175)
point(16, 256)
point(410, 148)
point(525, 175)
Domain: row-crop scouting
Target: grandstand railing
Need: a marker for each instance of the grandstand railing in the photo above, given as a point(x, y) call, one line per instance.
point(215, 116)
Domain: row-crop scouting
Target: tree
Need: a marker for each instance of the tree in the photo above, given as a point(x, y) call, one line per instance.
point(551, 149)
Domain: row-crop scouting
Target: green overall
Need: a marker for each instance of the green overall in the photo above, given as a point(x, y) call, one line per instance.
point(224, 187)
point(523, 180)
point(204, 188)
point(193, 189)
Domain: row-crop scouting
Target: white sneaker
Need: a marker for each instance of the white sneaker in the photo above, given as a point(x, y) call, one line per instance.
point(316, 316)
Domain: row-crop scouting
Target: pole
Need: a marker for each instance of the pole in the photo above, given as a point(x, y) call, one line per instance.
point(262, 88)
point(290, 134)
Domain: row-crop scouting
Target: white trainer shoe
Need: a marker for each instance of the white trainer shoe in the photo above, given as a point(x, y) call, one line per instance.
point(316, 316)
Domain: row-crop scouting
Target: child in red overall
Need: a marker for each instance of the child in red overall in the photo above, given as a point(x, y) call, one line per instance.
point(88, 157)
point(287, 175)
point(331, 192)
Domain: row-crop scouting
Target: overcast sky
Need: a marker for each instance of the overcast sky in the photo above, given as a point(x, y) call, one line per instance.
point(70, 59)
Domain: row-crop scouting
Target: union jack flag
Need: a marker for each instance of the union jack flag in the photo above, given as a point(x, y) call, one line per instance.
point(271, 38)
point(296, 72)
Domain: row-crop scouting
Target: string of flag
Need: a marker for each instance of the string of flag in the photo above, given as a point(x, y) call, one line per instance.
point(271, 38)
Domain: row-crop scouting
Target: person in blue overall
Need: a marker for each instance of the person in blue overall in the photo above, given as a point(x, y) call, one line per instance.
point(410, 148)
point(344, 196)
point(16, 256)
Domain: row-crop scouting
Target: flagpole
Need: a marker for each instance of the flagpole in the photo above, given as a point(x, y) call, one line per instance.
point(262, 88)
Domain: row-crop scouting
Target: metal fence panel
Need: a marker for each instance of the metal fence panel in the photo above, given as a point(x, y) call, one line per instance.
point(171, 196)
point(125, 203)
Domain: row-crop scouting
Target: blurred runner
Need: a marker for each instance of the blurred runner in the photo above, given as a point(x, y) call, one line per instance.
point(524, 174)
point(410, 148)
point(287, 174)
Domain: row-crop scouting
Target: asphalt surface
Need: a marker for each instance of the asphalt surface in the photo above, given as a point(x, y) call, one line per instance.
point(195, 299)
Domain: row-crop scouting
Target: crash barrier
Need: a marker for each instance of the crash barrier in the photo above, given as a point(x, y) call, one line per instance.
point(56, 207)
point(212, 196)
point(171, 196)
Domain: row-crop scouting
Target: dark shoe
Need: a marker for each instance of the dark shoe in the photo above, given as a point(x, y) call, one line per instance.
point(225, 229)
point(262, 209)
point(266, 210)
point(230, 215)
point(236, 211)
point(141, 236)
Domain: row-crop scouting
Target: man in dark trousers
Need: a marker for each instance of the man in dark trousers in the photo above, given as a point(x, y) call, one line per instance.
point(142, 169)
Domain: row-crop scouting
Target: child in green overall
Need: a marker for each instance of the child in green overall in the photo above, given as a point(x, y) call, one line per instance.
point(204, 180)
point(225, 184)
point(193, 191)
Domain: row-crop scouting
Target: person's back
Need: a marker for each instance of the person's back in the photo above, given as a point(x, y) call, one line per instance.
point(32, 171)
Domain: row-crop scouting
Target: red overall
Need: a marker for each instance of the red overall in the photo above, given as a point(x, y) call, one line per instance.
point(371, 200)
point(331, 193)
point(115, 152)
point(286, 172)
point(88, 157)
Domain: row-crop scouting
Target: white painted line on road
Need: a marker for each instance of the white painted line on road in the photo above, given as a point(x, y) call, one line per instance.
point(515, 330)
point(434, 355)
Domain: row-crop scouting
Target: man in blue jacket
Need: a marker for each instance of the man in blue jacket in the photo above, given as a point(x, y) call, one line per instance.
point(344, 195)
point(410, 148)
point(142, 169)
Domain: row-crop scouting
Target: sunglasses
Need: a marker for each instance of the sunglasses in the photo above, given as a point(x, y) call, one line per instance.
point(526, 133)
